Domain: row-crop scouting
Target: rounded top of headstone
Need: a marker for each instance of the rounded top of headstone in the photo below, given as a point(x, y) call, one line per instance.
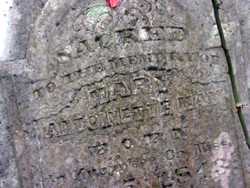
point(63, 26)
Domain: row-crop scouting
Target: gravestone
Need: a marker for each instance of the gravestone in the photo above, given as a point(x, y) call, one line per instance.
point(136, 96)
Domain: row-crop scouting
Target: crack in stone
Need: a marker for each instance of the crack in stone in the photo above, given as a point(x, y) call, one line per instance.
point(237, 100)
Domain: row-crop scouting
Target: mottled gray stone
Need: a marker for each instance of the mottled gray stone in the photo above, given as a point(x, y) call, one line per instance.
point(8, 166)
point(232, 16)
point(18, 17)
point(136, 96)
point(133, 96)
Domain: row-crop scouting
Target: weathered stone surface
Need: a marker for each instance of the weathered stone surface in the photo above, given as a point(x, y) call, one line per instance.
point(17, 17)
point(136, 96)
point(8, 166)
point(129, 96)
point(235, 28)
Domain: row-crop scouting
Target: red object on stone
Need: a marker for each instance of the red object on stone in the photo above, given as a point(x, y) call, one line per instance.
point(113, 3)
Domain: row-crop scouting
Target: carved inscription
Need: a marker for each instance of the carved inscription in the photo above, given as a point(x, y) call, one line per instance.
point(130, 36)
point(161, 61)
point(130, 114)
point(62, 127)
point(158, 61)
point(206, 147)
point(173, 154)
point(124, 89)
point(199, 99)
point(98, 149)
point(120, 87)
point(41, 91)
